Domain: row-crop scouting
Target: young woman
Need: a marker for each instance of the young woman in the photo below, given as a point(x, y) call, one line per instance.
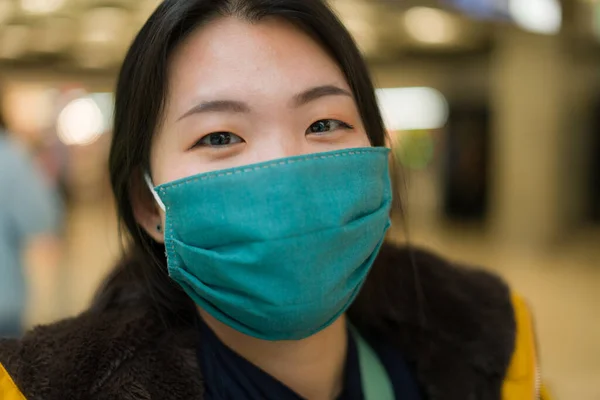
point(249, 168)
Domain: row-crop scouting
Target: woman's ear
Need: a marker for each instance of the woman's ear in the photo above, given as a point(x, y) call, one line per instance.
point(145, 208)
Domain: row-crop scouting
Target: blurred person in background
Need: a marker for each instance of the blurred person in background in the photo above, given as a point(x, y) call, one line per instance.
point(249, 169)
point(29, 221)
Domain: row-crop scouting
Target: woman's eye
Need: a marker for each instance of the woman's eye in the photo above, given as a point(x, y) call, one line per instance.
point(327, 125)
point(219, 139)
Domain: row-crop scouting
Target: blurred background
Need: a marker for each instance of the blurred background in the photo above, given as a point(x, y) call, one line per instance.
point(493, 108)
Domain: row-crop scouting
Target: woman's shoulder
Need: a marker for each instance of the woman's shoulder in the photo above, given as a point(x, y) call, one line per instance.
point(435, 268)
point(464, 306)
point(451, 293)
point(470, 305)
point(464, 318)
point(112, 354)
point(440, 313)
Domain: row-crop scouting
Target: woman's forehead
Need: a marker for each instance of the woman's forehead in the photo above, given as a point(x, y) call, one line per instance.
point(229, 56)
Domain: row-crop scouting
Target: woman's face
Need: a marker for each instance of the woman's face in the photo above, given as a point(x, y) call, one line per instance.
point(242, 93)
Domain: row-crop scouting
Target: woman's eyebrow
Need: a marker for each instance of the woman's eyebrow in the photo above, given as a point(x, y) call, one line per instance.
point(318, 92)
point(228, 106)
point(235, 106)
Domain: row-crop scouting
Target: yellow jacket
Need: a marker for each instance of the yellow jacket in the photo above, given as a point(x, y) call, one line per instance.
point(523, 378)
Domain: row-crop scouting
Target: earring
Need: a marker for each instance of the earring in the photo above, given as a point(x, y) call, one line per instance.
point(159, 228)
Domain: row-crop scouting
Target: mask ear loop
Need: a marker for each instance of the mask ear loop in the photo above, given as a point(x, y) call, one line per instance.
point(153, 191)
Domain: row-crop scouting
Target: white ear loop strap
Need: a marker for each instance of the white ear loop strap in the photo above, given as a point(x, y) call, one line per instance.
point(153, 191)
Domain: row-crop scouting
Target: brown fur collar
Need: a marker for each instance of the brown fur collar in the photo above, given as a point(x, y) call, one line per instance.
point(460, 346)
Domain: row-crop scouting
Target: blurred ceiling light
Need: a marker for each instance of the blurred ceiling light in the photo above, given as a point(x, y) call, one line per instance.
point(363, 33)
point(361, 20)
point(105, 36)
point(416, 108)
point(14, 40)
point(104, 25)
point(7, 10)
point(41, 6)
point(80, 123)
point(430, 25)
point(538, 16)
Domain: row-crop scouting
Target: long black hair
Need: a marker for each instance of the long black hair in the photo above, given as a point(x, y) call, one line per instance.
point(140, 98)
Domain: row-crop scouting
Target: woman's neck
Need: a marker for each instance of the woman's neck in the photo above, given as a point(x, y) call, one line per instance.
point(312, 367)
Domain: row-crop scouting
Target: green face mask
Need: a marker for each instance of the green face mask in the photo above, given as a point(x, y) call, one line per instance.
point(279, 250)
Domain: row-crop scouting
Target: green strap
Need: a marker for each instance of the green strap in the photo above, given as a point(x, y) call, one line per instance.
point(375, 380)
